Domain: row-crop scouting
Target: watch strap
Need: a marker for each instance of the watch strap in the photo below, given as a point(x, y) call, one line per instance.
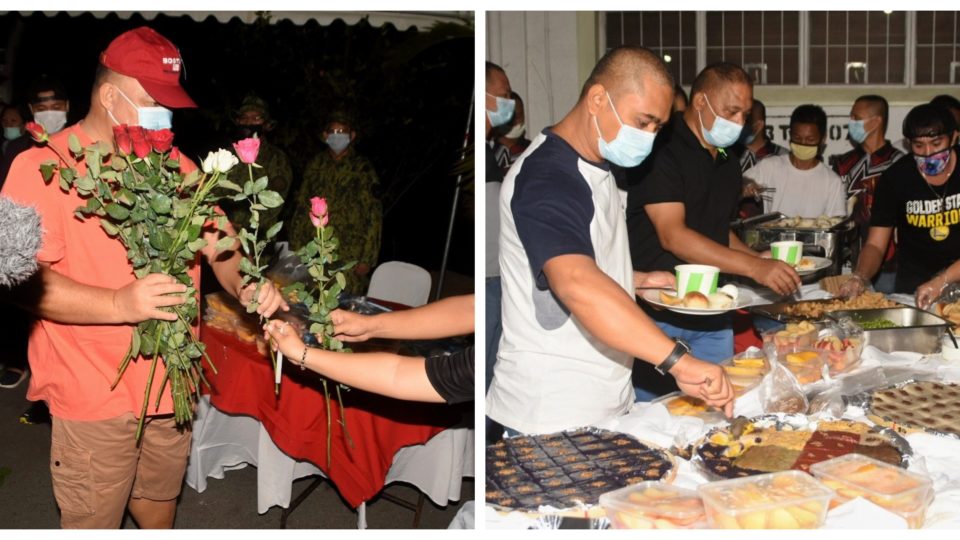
point(681, 348)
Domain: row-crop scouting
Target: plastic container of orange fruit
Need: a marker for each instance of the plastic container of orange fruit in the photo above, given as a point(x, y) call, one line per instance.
point(805, 363)
point(653, 505)
point(902, 492)
point(781, 500)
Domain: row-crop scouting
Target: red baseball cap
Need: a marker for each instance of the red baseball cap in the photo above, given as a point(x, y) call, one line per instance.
point(153, 61)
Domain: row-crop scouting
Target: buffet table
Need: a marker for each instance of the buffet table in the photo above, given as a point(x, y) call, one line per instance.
point(933, 456)
point(243, 421)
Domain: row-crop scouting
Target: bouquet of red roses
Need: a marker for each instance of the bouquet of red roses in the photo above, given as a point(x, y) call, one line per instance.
point(140, 196)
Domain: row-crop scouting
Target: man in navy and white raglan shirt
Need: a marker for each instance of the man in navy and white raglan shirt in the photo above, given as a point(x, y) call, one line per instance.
point(571, 327)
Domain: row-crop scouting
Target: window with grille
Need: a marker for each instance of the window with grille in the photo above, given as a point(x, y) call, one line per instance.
point(766, 44)
point(857, 47)
point(938, 41)
point(671, 34)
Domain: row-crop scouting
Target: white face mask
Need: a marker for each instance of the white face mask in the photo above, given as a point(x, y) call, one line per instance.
point(516, 131)
point(52, 121)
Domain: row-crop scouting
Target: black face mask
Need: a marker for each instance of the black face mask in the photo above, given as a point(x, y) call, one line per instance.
point(247, 131)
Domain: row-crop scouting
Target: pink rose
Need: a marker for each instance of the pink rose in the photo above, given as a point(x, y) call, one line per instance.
point(247, 149)
point(318, 212)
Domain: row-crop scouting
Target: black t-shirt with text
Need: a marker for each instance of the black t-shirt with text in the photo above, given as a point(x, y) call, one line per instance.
point(927, 219)
point(683, 171)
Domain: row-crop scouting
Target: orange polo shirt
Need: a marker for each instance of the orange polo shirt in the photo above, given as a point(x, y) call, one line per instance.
point(73, 366)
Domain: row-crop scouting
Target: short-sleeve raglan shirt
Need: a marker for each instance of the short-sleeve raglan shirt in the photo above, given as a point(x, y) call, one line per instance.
point(551, 374)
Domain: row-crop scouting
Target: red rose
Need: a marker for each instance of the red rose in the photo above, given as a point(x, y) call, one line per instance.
point(160, 139)
point(174, 154)
point(122, 138)
point(137, 133)
point(36, 131)
point(141, 148)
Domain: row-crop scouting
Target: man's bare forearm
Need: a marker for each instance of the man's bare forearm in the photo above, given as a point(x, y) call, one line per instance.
point(689, 245)
point(52, 296)
point(452, 316)
point(605, 309)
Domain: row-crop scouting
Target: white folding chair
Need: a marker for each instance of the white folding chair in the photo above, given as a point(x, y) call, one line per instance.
point(400, 282)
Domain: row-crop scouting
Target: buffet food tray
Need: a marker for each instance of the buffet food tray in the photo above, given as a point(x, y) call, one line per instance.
point(565, 473)
point(793, 422)
point(916, 331)
point(784, 311)
point(864, 400)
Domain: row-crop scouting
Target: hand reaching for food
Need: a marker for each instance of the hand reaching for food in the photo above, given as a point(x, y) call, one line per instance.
point(929, 291)
point(853, 286)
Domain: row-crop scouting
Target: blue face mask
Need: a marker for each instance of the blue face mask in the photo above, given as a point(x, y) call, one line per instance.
point(504, 112)
point(723, 133)
point(747, 137)
point(149, 117)
point(857, 131)
point(631, 145)
point(338, 142)
point(11, 133)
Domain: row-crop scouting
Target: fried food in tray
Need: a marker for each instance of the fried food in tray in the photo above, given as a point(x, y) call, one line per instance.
point(769, 445)
point(569, 470)
point(817, 309)
point(951, 312)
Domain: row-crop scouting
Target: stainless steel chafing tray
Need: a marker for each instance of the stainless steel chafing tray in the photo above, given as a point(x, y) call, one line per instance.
point(760, 231)
point(917, 330)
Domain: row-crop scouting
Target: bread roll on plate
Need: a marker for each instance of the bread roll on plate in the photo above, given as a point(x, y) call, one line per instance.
point(694, 299)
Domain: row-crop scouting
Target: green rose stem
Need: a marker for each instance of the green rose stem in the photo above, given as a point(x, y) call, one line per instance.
point(183, 410)
point(328, 331)
point(257, 252)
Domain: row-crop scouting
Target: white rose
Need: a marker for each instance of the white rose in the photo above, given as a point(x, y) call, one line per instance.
point(220, 161)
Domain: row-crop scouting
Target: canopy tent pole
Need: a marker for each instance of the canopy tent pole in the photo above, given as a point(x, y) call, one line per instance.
point(456, 198)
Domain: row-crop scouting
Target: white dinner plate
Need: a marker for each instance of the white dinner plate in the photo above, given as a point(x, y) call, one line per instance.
point(819, 263)
point(744, 299)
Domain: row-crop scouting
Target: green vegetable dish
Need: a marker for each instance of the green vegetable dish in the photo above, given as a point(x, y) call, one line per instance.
point(878, 324)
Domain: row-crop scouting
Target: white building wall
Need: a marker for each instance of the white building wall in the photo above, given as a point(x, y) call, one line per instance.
point(538, 50)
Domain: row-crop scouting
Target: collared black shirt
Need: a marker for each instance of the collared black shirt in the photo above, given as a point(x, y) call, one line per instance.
point(683, 171)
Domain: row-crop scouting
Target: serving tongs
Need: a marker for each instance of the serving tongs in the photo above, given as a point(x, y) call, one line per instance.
point(756, 220)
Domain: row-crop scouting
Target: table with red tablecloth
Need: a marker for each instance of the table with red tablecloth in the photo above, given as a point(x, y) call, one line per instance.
point(296, 420)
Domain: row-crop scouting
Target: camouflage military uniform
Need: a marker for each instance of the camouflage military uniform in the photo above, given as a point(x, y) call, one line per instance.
point(276, 166)
point(349, 185)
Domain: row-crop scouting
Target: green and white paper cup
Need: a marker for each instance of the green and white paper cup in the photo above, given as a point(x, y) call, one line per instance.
point(788, 251)
point(696, 277)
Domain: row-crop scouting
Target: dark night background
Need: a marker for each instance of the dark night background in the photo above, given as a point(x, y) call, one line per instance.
point(408, 91)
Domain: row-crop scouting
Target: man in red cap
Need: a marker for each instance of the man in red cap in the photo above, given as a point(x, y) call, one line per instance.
point(87, 300)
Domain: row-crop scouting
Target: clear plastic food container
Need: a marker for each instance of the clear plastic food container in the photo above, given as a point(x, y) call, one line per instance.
point(793, 335)
point(806, 363)
point(902, 492)
point(843, 352)
point(746, 370)
point(653, 505)
point(781, 500)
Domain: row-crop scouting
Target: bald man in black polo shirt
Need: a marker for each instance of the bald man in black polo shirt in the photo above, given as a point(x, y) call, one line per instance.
point(681, 211)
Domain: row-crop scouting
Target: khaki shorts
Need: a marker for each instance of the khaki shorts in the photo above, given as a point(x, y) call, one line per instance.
point(97, 467)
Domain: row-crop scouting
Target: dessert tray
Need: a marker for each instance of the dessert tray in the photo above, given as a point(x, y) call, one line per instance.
point(911, 406)
point(569, 470)
point(780, 442)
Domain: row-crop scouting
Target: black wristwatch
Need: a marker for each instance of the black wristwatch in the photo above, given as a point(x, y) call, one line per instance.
point(680, 349)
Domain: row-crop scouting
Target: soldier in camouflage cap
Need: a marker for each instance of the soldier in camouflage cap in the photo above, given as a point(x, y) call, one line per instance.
point(349, 183)
point(253, 118)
